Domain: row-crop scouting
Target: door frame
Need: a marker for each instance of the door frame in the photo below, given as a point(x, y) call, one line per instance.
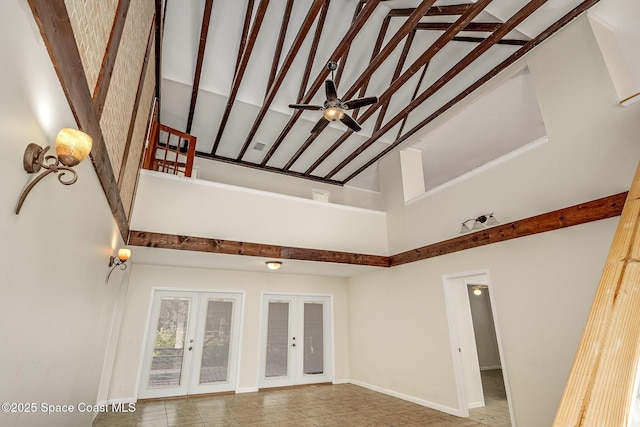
point(329, 357)
point(150, 318)
point(447, 281)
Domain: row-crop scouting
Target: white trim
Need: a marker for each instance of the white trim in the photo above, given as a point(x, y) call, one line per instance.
point(241, 390)
point(446, 278)
point(483, 168)
point(412, 399)
point(263, 193)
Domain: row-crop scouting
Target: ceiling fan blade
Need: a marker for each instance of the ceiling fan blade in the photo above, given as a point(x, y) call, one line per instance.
point(348, 120)
point(330, 89)
point(360, 102)
point(319, 127)
point(306, 107)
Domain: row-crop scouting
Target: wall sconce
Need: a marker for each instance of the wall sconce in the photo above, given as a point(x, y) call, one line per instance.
point(479, 223)
point(273, 265)
point(72, 146)
point(123, 257)
point(477, 290)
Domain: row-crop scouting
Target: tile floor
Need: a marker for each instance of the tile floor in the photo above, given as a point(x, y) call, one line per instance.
point(322, 405)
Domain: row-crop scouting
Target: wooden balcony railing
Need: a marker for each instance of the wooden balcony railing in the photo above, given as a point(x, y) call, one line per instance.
point(600, 388)
point(170, 151)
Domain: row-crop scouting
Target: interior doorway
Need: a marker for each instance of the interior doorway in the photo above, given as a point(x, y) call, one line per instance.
point(481, 381)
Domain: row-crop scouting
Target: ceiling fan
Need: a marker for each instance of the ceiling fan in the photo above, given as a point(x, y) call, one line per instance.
point(334, 108)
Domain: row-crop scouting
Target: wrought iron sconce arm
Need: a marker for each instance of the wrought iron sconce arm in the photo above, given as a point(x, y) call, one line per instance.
point(35, 158)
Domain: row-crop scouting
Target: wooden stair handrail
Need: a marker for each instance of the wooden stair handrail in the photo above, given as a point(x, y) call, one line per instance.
point(151, 162)
point(600, 388)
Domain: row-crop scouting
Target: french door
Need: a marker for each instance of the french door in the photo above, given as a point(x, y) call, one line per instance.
point(192, 344)
point(296, 340)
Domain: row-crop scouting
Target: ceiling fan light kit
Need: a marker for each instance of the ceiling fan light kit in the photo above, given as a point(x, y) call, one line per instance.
point(334, 108)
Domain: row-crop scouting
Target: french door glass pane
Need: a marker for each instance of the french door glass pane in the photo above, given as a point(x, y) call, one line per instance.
point(277, 340)
point(313, 339)
point(168, 350)
point(217, 339)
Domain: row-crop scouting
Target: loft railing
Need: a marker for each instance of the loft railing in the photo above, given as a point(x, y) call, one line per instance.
point(170, 151)
point(600, 390)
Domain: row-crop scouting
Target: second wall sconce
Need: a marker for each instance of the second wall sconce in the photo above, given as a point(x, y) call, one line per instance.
point(72, 147)
point(486, 220)
point(120, 260)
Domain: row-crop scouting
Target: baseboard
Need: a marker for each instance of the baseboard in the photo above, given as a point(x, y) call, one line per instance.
point(343, 381)
point(246, 390)
point(428, 404)
point(473, 405)
point(490, 368)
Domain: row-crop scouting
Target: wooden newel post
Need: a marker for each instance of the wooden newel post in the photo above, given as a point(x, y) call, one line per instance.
point(599, 391)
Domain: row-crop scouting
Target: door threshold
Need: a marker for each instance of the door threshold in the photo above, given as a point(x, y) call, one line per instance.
point(185, 396)
point(290, 387)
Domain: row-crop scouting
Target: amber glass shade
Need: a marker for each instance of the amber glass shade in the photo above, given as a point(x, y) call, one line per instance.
point(124, 254)
point(72, 146)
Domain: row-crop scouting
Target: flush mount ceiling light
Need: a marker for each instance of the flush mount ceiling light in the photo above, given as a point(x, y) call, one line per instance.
point(274, 265)
point(486, 220)
point(477, 290)
point(72, 146)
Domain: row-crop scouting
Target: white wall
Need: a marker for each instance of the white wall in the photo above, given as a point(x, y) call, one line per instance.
point(227, 173)
point(146, 277)
point(170, 204)
point(543, 284)
point(55, 308)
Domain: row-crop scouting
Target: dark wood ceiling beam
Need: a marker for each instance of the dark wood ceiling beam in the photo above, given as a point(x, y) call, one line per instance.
point(512, 42)
point(57, 34)
point(595, 210)
point(454, 9)
point(426, 57)
point(342, 47)
point(376, 50)
point(109, 61)
point(482, 27)
point(237, 79)
point(504, 64)
point(232, 247)
point(313, 50)
point(204, 30)
point(293, 51)
point(379, 58)
point(396, 74)
point(245, 33)
point(342, 63)
point(278, 52)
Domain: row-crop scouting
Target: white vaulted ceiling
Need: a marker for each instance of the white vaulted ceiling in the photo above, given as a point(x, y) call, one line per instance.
point(494, 125)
